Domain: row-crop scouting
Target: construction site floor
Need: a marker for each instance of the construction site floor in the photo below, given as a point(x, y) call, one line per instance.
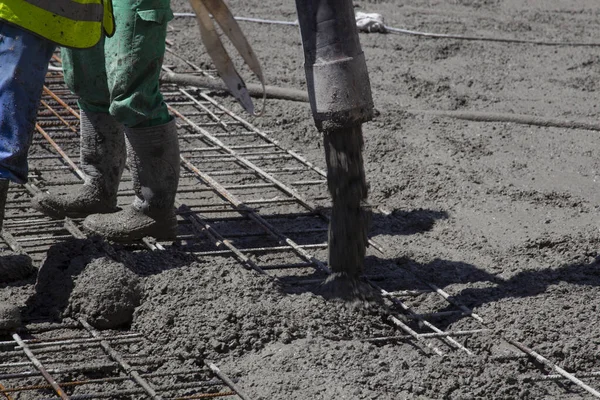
point(485, 237)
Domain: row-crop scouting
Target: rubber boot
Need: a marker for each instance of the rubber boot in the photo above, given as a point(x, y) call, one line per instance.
point(102, 159)
point(154, 161)
point(13, 267)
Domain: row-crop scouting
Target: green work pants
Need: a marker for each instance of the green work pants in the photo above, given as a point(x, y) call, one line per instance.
point(120, 74)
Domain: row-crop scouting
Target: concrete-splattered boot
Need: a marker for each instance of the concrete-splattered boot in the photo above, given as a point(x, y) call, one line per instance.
point(13, 267)
point(154, 161)
point(102, 158)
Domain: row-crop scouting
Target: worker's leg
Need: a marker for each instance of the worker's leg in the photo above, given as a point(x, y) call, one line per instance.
point(85, 75)
point(10, 270)
point(23, 64)
point(154, 161)
point(134, 59)
point(120, 75)
point(102, 146)
point(13, 266)
point(24, 61)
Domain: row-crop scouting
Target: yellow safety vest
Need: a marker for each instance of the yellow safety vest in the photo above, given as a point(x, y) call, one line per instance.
point(70, 23)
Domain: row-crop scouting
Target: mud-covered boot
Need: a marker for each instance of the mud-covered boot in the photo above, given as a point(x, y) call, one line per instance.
point(102, 157)
point(13, 267)
point(154, 161)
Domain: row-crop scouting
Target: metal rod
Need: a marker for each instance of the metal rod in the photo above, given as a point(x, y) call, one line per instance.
point(414, 334)
point(5, 393)
point(60, 151)
point(116, 379)
point(79, 342)
point(219, 240)
point(124, 365)
point(61, 102)
point(12, 242)
point(205, 396)
point(559, 370)
point(67, 340)
point(440, 314)
point(423, 321)
point(262, 250)
point(42, 238)
point(272, 154)
point(29, 223)
point(47, 157)
point(245, 147)
point(38, 365)
point(227, 381)
point(80, 368)
point(555, 377)
point(288, 266)
point(452, 301)
point(284, 231)
point(427, 335)
point(407, 293)
point(64, 121)
point(70, 226)
point(252, 214)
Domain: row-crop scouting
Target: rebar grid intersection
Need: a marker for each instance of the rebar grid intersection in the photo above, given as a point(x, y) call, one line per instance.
point(71, 360)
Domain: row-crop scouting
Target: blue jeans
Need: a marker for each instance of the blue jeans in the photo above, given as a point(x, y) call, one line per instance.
point(24, 61)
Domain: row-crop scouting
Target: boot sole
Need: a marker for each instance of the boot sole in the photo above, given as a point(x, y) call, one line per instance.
point(55, 214)
point(163, 235)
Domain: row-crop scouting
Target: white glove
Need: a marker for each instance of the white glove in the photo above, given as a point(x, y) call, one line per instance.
point(370, 22)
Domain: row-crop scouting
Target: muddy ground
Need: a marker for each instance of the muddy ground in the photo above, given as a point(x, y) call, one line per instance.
point(504, 217)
